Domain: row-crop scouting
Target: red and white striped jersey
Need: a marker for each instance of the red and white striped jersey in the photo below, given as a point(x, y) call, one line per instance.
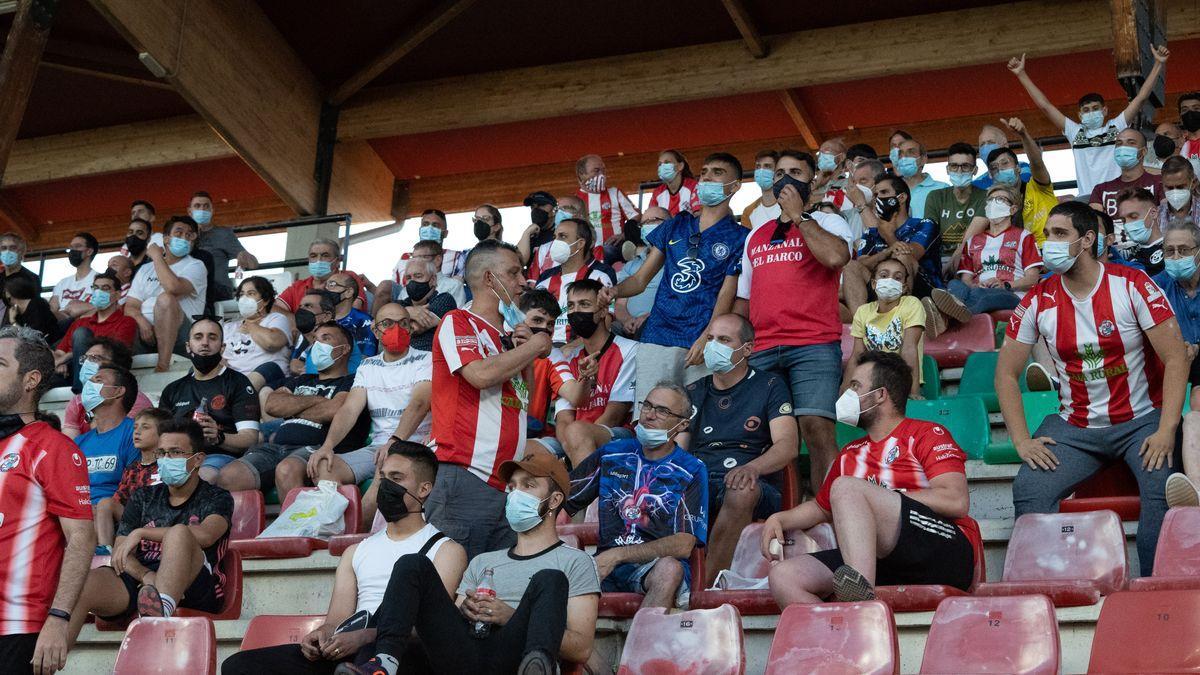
point(43, 477)
point(684, 200)
point(478, 429)
point(539, 261)
point(607, 211)
point(1107, 370)
point(1005, 256)
point(556, 281)
point(614, 377)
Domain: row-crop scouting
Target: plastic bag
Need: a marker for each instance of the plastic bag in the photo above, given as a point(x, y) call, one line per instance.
point(315, 513)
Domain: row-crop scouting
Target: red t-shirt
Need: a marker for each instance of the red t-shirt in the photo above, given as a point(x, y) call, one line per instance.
point(914, 453)
point(136, 475)
point(120, 327)
point(43, 477)
point(1105, 194)
point(292, 295)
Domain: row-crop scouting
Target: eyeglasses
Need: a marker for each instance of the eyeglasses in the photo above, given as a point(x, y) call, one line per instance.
point(385, 324)
point(693, 251)
point(91, 357)
point(173, 454)
point(960, 167)
point(660, 411)
point(334, 284)
point(1179, 251)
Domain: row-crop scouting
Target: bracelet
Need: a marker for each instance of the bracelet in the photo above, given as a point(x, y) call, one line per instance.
point(62, 614)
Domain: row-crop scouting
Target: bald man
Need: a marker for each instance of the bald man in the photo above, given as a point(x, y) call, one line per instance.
point(1129, 154)
point(991, 138)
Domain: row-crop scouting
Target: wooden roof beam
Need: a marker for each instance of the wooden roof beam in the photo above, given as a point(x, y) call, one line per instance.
point(755, 43)
point(18, 67)
point(804, 123)
point(12, 219)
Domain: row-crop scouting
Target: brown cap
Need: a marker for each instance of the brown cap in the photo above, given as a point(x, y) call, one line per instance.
point(542, 465)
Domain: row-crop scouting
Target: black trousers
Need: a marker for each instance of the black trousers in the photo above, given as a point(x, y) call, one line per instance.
point(416, 599)
point(15, 653)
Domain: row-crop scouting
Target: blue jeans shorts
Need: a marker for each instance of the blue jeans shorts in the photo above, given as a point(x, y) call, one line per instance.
point(630, 578)
point(814, 373)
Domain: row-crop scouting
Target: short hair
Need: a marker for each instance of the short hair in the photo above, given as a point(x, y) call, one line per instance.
point(584, 285)
point(763, 154)
point(326, 241)
point(90, 240)
point(437, 212)
point(109, 276)
point(186, 220)
point(1104, 223)
point(265, 290)
point(961, 148)
point(434, 248)
point(801, 156)
point(726, 158)
point(1140, 194)
point(421, 456)
point(902, 134)
point(1177, 164)
point(1187, 96)
point(1082, 216)
point(143, 221)
point(342, 330)
point(352, 282)
point(1183, 225)
point(1090, 97)
point(142, 202)
point(32, 353)
point(998, 153)
point(540, 298)
point(187, 427)
point(328, 304)
point(874, 165)
point(891, 372)
point(897, 184)
point(482, 255)
point(201, 318)
point(492, 210)
point(745, 328)
point(689, 411)
point(582, 162)
point(125, 379)
point(119, 353)
point(585, 232)
point(201, 194)
point(861, 150)
point(20, 287)
point(158, 415)
point(20, 241)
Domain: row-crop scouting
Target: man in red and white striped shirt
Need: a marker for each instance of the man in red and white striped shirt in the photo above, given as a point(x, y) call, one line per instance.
point(1122, 366)
point(46, 533)
point(607, 207)
point(480, 399)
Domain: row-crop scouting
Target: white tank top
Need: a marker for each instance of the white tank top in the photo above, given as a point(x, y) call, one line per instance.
point(377, 554)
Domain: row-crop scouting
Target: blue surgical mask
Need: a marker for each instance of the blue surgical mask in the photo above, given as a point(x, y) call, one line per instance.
point(521, 511)
point(894, 155)
point(1181, 269)
point(764, 178)
point(201, 216)
point(666, 171)
point(430, 233)
point(101, 299)
point(1057, 256)
point(561, 215)
point(1092, 120)
point(180, 247)
point(173, 471)
point(986, 150)
point(321, 356)
point(960, 178)
point(711, 193)
point(826, 161)
point(718, 357)
point(907, 166)
point(8, 258)
point(1006, 177)
point(651, 438)
point(92, 395)
point(88, 370)
point(1137, 231)
point(512, 315)
point(1125, 156)
point(320, 268)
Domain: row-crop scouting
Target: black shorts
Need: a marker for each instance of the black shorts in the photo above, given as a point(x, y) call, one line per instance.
point(203, 594)
point(1194, 375)
point(930, 550)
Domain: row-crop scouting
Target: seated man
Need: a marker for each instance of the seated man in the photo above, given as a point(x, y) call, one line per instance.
point(391, 290)
point(425, 300)
point(167, 292)
point(552, 376)
point(1139, 211)
point(365, 569)
point(542, 606)
point(604, 364)
point(324, 258)
point(12, 255)
point(170, 543)
point(108, 446)
point(653, 503)
point(102, 351)
point(139, 473)
point(344, 287)
point(71, 294)
point(745, 434)
point(897, 500)
point(120, 267)
point(316, 307)
point(109, 320)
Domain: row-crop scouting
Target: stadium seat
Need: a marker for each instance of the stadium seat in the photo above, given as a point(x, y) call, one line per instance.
point(1177, 556)
point(837, 638)
point(1074, 558)
point(696, 641)
point(587, 531)
point(231, 604)
point(625, 605)
point(748, 563)
point(1147, 632)
point(845, 435)
point(1017, 634)
point(824, 535)
point(965, 418)
point(1113, 489)
point(979, 379)
point(268, 630)
point(1001, 317)
point(1037, 404)
point(926, 597)
point(931, 388)
point(249, 514)
point(299, 547)
point(168, 646)
point(791, 492)
point(950, 349)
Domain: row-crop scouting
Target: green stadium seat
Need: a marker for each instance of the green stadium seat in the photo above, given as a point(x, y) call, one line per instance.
point(964, 417)
point(932, 387)
point(845, 434)
point(979, 379)
point(1038, 404)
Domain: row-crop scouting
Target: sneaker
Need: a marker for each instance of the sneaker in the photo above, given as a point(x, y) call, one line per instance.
point(849, 585)
point(538, 662)
point(372, 667)
point(935, 323)
point(149, 602)
point(1037, 378)
point(1181, 491)
point(950, 305)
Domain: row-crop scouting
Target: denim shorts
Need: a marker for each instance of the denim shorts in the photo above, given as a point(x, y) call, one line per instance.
point(629, 578)
point(215, 461)
point(360, 461)
point(770, 500)
point(814, 373)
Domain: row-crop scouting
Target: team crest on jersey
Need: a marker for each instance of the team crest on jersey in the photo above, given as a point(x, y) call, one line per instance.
point(1106, 328)
point(9, 462)
point(939, 431)
point(1156, 257)
point(1010, 244)
point(785, 409)
point(720, 250)
point(218, 402)
point(892, 455)
point(729, 463)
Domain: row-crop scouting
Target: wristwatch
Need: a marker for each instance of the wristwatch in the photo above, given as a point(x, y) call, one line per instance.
point(62, 614)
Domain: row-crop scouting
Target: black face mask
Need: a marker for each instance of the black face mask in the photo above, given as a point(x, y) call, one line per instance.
point(801, 187)
point(75, 258)
point(390, 501)
point(583, 324)
point(306, 321)
point(541, 329)
point(482, 230)
point(204, 363)
point(886, 207)
point(1190, 120)
point(539, 217)
point(417, 290)
point(1164, 146)
point(136, 245)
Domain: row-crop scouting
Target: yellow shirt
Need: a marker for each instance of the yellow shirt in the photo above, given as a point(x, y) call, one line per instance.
point(885, 332)
point(1039, 199)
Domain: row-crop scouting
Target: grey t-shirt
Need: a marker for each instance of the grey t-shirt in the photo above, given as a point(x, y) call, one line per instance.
point(511, 572)
point(224, 246)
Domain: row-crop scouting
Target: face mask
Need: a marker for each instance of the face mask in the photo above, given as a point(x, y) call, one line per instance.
point(390, 500)
point(417, 290)
point(583, 324)
point(75, 258)
point(1176, 198)
point(888, 289)
point(306, 321)
point(1057, 256)
point(136, 245)
point(321, 356)
point(1181, 269)
point(1190, 120)
point(718, 357)
point(646, 230)
point(509, 311)
point(247, 307)
point(320, 268)
point(996, 209)
point(849, 406)
point(826, 161)
point(960, 178)
point(907, 166)
point(1092, 120)
point(801, 187)
point(561, 215)
point(886, 207)
point(986, 150)
point(430, 233)
point(666, 171)
point(173, 471)
point(560, 251)
point(711, 193)
point(92, 395)
point(764, 178)
point(180, 247)
point(201, 216)
point(539, 217)
point(204, 363)
point(651, 438)
point(1006, 177)
point(1164, 146)
point(396, 339)
point(1137, 231)
point(482, 230)
point(1125, 156)
point(100, 299)
point(894, 155)
point(595, 184)
point(8, 258)
point(521, 510)
point(88, 370)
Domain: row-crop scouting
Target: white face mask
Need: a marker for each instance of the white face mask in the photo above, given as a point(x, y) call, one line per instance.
point(888, 289)
point(560, 251)
point(849, 406)
point(1178, 198)
point(996, 209)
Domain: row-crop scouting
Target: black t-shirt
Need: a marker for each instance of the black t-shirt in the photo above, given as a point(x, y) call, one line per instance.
point(439, 304)
point(231, 399)
point(732, 426)
point(23, 272)
point(40, 317)
point(150, 506)
point(1151, 257)
point(299, 431)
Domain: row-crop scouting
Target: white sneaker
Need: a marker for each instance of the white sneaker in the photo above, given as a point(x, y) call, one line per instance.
point(1181, 491)
point(1037, 378)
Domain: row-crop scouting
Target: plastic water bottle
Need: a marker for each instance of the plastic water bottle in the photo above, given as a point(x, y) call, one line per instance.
point(201, 409)
point(486, 589)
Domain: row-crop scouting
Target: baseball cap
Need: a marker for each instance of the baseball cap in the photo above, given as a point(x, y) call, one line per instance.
point(542, 465)
point(539, 198)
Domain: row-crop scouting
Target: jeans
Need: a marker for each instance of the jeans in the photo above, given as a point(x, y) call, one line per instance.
point(983, 300)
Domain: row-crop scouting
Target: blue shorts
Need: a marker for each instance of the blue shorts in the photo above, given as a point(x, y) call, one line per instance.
point(217, 462)
point(814, 373)
point(272, 374)
point(629, 578)
point(770, 499)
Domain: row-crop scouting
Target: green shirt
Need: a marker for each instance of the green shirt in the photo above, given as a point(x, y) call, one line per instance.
point(953, 217)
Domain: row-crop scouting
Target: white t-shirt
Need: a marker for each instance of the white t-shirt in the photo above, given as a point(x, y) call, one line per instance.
point(146, 286)
point(70, 288)
point(389, 387)
point(762, 214)
point(243, 354)
point(377, 555)
point(1093, 150)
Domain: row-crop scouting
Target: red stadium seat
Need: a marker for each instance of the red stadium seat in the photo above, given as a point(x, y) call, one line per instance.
point(1074, 558)
point(340, 542)
point(1147, 632)
point(266, 630)
point(625, 605)
point(1017, 634)
point(824, 535)
point(231, 604)
point(950, 349)
point(1177, 556)
point(696, 641)
point(926, 597)
point(1113, 489)
point(168, 646)
point(749, 563)
point(588, 531)
point(791, 487)
point(300, 547)
point(249, 514)
point(838, 638)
